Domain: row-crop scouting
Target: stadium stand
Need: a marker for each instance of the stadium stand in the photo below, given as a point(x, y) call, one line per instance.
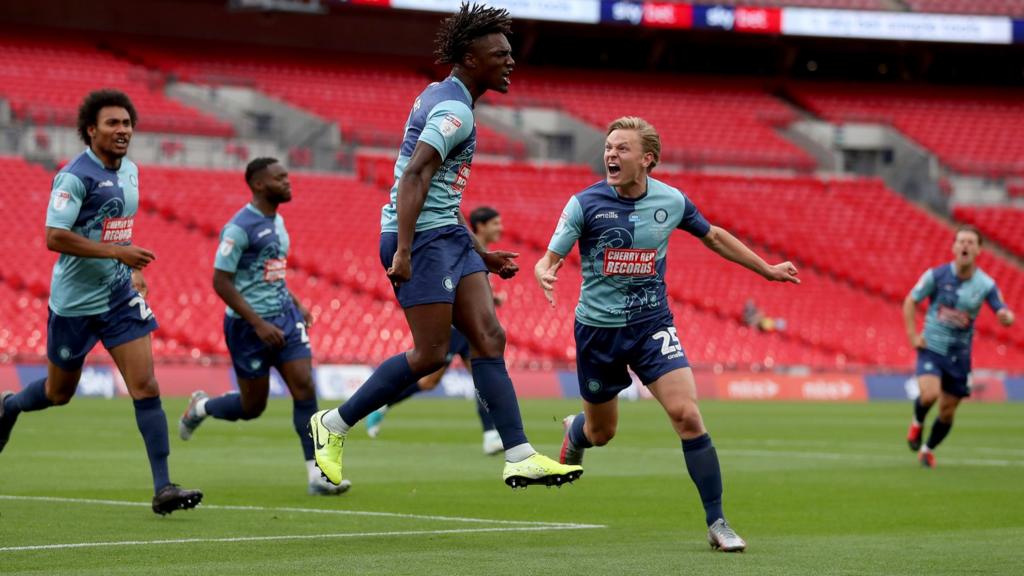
point(702, 121)
point(45, 78)
point(369, 101)
point(998, 223)
point(971, 130)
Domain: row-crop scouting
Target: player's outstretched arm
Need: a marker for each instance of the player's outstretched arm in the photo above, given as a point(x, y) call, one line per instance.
point(67, 242)
point(224, 286)
point(729, 247)
point(412, 193)
point(546, 273)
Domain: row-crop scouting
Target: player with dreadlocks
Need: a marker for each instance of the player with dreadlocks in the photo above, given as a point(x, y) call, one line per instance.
point(437, 267)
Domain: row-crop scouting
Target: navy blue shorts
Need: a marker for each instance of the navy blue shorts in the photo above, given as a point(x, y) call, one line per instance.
point(953, 370)
point(457, 346)
point(440, 258)
point(651, 349)
point(252, 358)
point(70, 338)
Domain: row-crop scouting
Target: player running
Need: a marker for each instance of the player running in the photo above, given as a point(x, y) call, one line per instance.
point(97, 292)
point(437, 267)
point(623, 320)
point(957, 291)
point(265, 325)
point(486, 224)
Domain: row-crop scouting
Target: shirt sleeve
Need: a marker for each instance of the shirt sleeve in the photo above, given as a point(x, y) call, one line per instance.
point(569, 229)
point(924, 288)
point(995, 299)
point(66, 199)
point(693, 221)
point(448, 124)
point(233, 242)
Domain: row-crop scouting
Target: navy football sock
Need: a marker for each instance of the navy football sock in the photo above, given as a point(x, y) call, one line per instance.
point(920, 411)
point(411, 389)
point(494, 389)
point(939, 431)
point(31, 398)
point(702, 464)
point(485, 417)
point(302, 411)
point(387, 382)
point(576, 435)
point(152, 422)
point(226, 407)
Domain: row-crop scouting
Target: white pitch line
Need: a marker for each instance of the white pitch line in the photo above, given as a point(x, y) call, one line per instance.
point(867, 457)
point(527, 523)
point(294, 537)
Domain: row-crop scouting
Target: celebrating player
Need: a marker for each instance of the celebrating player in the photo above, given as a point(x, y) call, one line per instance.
point(486, 224)
point(957, 291)
point(264, 324)
point(98, 292)
point(623, 320)
point(437, 267)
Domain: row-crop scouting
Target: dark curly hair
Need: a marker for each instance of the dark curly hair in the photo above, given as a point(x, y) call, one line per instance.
point(256, 166)
point(89, 111)
point(459, 30)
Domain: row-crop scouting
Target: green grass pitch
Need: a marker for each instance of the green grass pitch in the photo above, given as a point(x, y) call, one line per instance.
point(814, 489)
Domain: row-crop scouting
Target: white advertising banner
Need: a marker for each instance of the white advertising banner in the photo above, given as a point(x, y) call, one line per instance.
point(896, 26)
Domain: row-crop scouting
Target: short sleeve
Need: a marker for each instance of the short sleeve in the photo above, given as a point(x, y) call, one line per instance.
point(233, 242)
point(924, 288)
point(693, 221)
point(66, 199)
point(448, 124)
point(569, 229)
point(995, 299)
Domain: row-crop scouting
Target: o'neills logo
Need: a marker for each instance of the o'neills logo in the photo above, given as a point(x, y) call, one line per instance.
point(117, 230)
point(629, 261)
point(275, 269)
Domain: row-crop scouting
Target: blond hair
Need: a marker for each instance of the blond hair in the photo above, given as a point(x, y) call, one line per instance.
point(649, 138)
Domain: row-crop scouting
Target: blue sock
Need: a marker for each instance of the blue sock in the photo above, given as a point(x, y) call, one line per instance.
point(152, 422)
point(920, 411)
point(411, 389)
point(31, 398)
point(392, 378)
point(226, 407)
point(939, 431)
point(302, 411)
point(702, 464)
point(576, 435)
point(494, 389)
point(485, 417)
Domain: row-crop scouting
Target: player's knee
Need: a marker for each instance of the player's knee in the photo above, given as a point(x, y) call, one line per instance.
point(491, 343)
point(304, 390)
point(253, 410)
point(928, 397)
point(427, 361)
point(600, 435)
point(686, 418)
point(59, 397)
point(144, 388)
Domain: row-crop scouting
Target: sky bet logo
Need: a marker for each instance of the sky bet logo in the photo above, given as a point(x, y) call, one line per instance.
point(623, 11)
point(718, 17)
